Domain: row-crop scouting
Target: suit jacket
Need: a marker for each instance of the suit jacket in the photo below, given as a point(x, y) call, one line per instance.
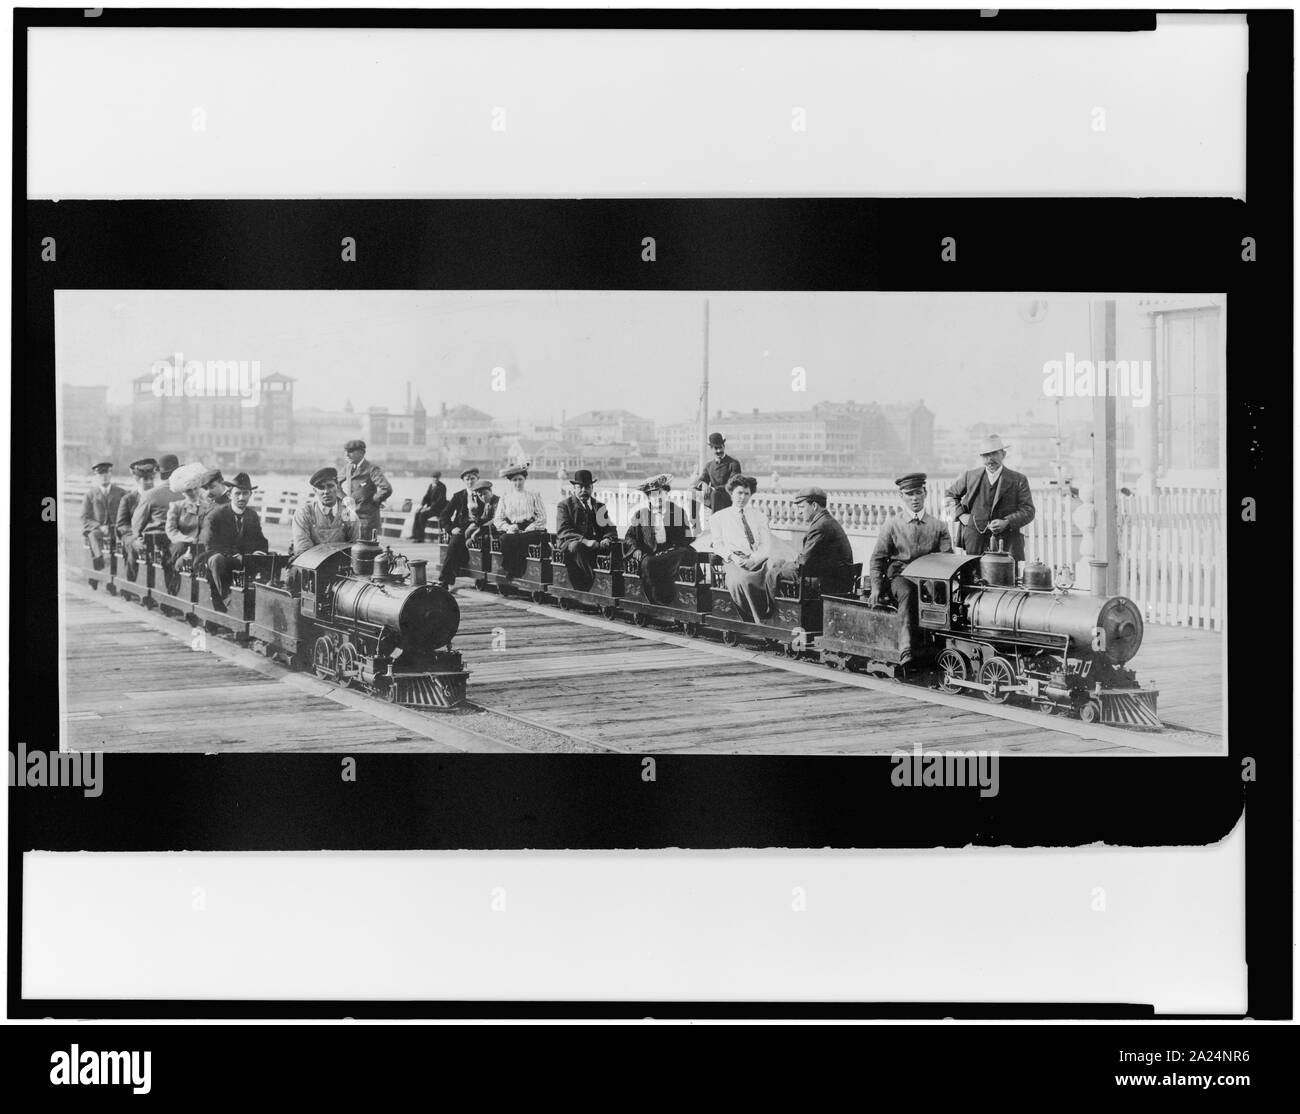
point(826, 550)
point(716, 474)
point(574, 523)
point(460, 513)
point(151, 510)
point(367, 485)
point(99, 507)
point(641, 533)
point(217, 534)
point(125, 511)
point(972, 494)
point(435, 499)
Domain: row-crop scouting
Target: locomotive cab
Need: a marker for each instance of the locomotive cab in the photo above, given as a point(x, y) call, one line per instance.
point(937, 577)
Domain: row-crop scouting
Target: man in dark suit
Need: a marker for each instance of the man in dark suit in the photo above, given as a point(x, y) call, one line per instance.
point(230, 532)
point(991, 502)
point(143, 471)
point(826, 552)
point(431, 507)
point(659, 538)
point(582, 530)
point(712, 482)
point(99, 512)
point(466, 515)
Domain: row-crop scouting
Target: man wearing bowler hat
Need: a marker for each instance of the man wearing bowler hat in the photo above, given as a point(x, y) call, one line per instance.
point(365, 484)
point(231, 531)
point(826, 552)
point(902, 539)
point(990, 502)
point(712, 482)
point(99, 511)
point(583, 530)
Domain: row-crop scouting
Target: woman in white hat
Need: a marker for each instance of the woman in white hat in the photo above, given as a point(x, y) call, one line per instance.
point(183, 515)
point(519, 520)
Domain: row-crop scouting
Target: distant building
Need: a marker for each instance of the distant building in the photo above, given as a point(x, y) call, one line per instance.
point(831, 438)
point(602, 427)
point(86, 434)
point(462, 436)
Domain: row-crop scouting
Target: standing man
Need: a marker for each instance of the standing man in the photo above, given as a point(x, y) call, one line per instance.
point(467, 514)
point(323, 518)
point(231, 532)
point(582, 530)
point(143, 471)
point(99, 511)
point(713, 480)
point(431, 507)
point(903, 539)
point(743, 539)
point(826, 552)
point(365, 484)
point(991, 501)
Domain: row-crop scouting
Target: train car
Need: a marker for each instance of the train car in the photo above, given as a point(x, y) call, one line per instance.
point(607, 587)
point(691, 600)
point(532, 582)
point(793, 623)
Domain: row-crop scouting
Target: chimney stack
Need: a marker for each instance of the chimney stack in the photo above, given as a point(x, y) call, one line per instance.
point(408, 396)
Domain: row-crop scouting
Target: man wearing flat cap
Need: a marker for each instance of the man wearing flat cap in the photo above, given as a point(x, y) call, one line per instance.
point(826, 552)
point(991, 502)
point(323, 518)
point(99, 511)
point(902, 539)
point(431, 507)
point(467, 515)
point(150, 516)
point(143, 473)
point(367, 487)
point(231, 532)
point(712, 482)
point(583, 530)
point(215, 493)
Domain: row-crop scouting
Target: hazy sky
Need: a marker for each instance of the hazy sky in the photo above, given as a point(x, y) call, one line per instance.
point(970, 357)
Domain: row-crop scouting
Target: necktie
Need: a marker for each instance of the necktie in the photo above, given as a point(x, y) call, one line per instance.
point(239, 527)
point(749, 534)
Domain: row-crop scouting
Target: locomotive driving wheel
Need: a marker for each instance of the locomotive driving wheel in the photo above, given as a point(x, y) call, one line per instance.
point(346, 663)
point(952, 665)
point(998, 674)
point(322, 658)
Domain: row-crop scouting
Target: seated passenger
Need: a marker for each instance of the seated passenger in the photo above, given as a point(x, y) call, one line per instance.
point(230, 532)
point(826, 552)
point(743, 539)
point(519, 521)
point(659, 537)
point(903, 539)
point(99, 512)
point(183, 515)
point(143, 471)
point(467, 514)
point(323, 518)
point(582, 530)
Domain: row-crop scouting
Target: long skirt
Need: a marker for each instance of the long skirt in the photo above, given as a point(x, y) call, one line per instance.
point(514, 550)
point(658, 574)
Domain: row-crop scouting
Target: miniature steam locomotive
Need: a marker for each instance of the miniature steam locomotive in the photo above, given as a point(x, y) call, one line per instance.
point(343, 611)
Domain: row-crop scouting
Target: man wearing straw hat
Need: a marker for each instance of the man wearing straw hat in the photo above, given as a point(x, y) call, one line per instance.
point(990, 502)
